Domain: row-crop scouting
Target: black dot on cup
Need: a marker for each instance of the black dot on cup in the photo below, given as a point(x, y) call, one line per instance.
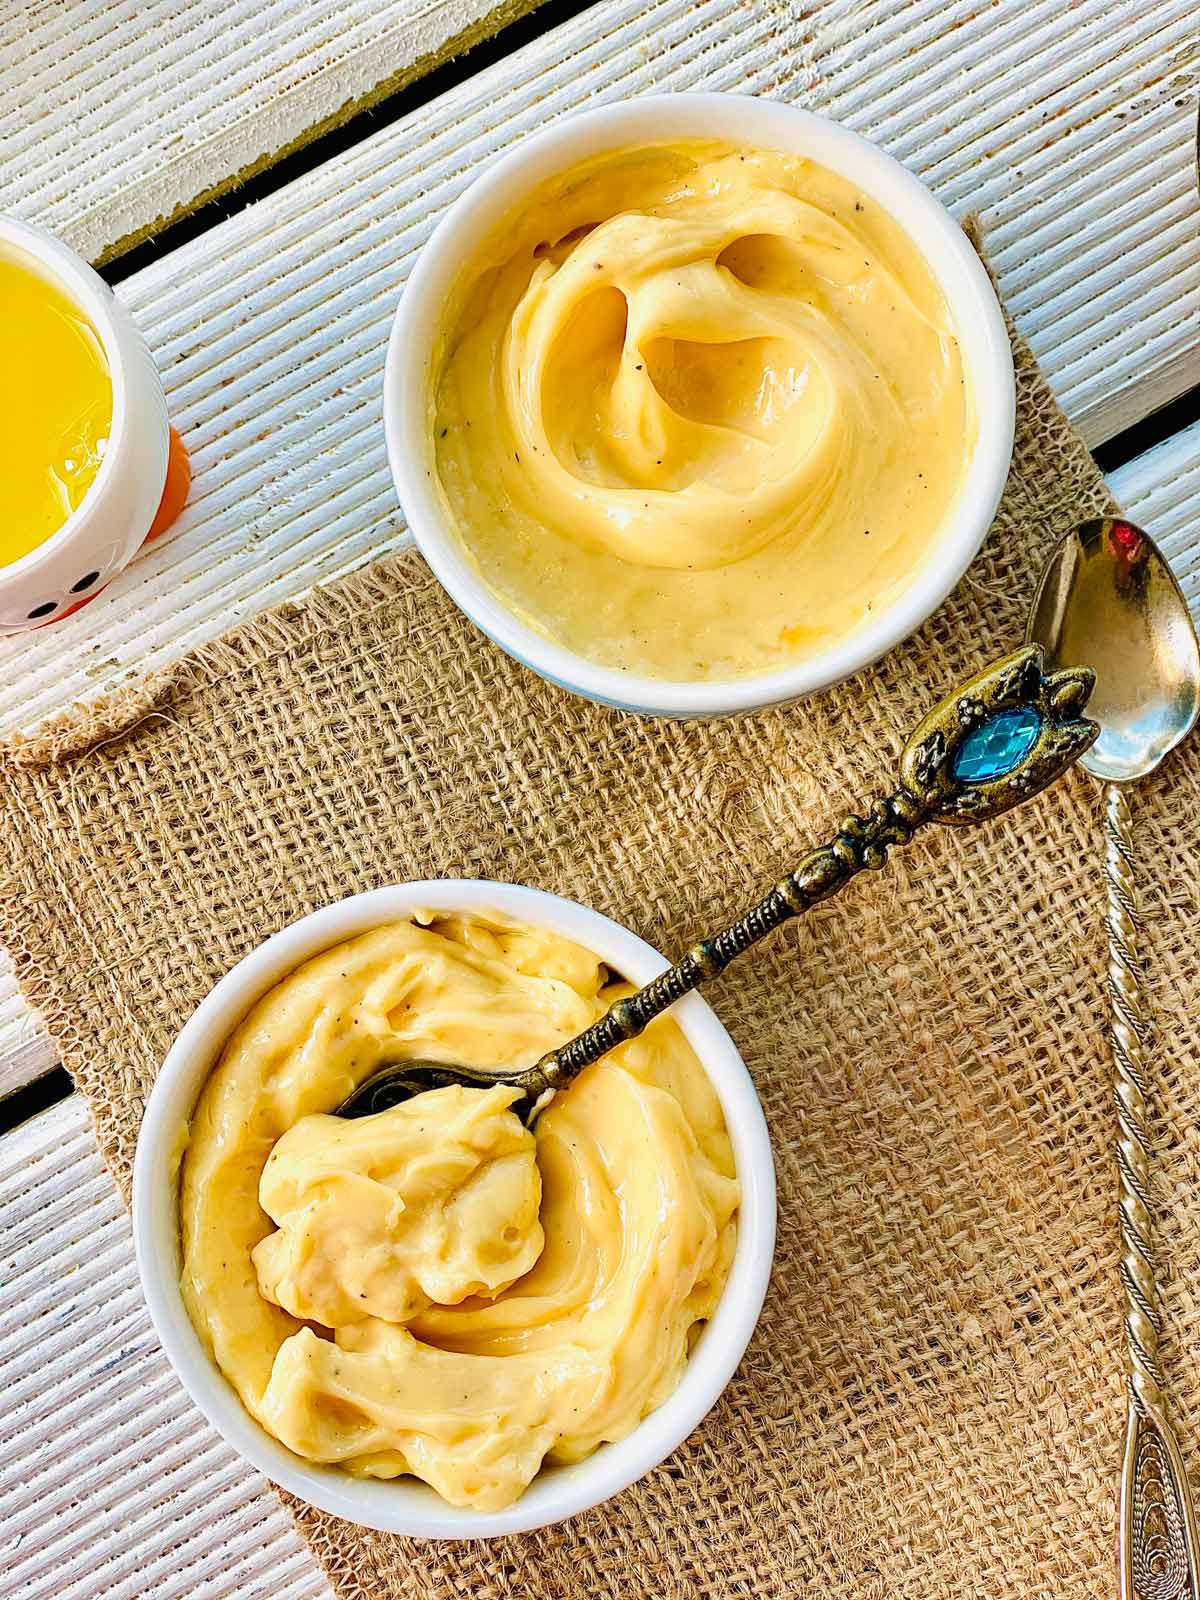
point(85, 582)
point(44, 610)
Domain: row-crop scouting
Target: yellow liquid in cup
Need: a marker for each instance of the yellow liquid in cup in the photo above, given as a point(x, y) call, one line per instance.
point(55, 408)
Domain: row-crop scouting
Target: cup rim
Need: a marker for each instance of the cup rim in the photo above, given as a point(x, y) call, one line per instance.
point(656, 118)
point(403, 1505)
point(83, 286)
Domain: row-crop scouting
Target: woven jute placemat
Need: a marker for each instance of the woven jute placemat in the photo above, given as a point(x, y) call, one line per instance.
point(932, 1405)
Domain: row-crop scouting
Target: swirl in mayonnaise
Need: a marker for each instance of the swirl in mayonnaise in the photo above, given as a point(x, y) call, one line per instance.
point(699, 411)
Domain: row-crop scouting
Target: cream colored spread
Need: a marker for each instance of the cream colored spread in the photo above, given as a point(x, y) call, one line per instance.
point(699, 411)
point(434, 1289)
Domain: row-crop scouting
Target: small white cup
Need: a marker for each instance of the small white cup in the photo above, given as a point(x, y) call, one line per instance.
point(404, 1505)
point(501, 189)
point(108, 526)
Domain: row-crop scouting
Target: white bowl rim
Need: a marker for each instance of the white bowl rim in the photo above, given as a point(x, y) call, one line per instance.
point(401, 1505)
point(87, 291)
point(655, 118)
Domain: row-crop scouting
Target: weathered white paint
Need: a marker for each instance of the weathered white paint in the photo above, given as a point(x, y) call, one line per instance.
point(111, 1483)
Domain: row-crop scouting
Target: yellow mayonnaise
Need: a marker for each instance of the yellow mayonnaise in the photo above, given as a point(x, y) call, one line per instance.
point(435, 1290)
point(55, 408)
point(699, 411)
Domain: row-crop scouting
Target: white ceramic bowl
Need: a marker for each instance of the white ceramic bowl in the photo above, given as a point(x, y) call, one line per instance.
point(739, 119)
point(108, 526)
point(405, 1505)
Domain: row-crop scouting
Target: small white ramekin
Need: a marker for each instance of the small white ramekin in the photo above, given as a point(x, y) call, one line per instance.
point(108, 526)
point(501, 189)
point(405, 1505)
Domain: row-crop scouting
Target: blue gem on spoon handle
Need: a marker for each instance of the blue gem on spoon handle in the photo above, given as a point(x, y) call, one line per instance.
point(997, 746)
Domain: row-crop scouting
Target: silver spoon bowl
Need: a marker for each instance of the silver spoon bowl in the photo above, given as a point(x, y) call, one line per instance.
point(1108, 600)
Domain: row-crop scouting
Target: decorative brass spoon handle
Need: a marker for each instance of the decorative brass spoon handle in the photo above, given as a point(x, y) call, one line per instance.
point(1002, 737)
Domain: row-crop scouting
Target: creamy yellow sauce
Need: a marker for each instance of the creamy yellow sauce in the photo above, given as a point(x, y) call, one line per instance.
point(435, 1290)
point(55, 408)
point(699, 411)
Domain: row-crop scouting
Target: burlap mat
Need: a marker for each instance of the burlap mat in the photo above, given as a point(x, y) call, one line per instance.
point(932, 1405)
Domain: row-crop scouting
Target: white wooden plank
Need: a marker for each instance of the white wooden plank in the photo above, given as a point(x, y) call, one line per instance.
point(1071, 129)
point(25, 1051)
point(113, 114)
point(111, 1483)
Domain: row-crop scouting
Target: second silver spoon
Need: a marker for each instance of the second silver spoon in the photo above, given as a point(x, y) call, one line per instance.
point(1109, 601)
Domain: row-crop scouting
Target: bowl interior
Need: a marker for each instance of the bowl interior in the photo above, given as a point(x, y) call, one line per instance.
point(404, 1505)
point(47, 257)
point(415, 352)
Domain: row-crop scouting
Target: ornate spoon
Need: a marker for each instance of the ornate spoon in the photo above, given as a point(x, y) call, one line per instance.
point(1004, 736)
point(1108, 599)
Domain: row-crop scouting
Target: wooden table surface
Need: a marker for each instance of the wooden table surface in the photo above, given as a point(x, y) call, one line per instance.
point(1070, 130)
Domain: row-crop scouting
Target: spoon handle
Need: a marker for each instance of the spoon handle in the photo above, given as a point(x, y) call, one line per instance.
point(999, 739)
point(860, 842)
point(1157, 1537)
